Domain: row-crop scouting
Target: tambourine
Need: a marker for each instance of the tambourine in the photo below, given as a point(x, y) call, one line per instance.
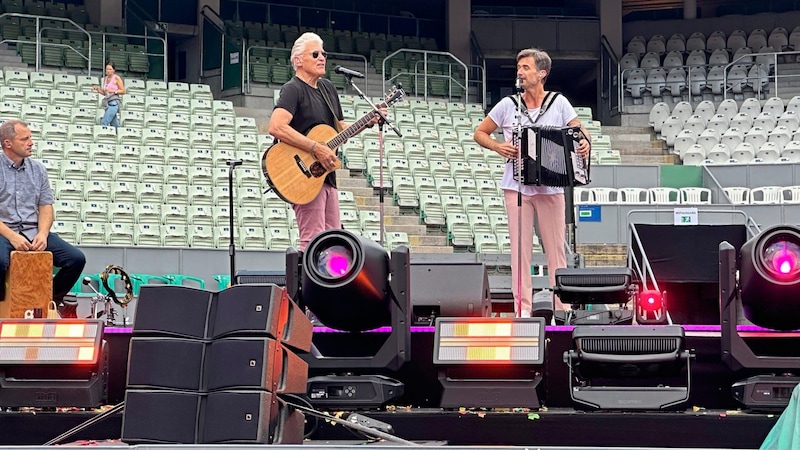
point(111, 268)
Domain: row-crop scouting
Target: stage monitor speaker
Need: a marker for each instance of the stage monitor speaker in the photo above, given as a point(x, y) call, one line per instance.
point(448, 289)
point(166, 363)
point(277, 277)
point(160, 416)
point(179, 311)
point(250, 417)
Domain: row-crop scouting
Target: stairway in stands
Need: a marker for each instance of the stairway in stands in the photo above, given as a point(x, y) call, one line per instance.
point(368, 199)
point(639, 146)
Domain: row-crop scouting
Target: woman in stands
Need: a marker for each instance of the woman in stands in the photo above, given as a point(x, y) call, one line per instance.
point(547, 203)
point(111, 90)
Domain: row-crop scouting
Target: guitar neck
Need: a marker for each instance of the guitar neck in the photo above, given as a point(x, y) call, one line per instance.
point(353, 129)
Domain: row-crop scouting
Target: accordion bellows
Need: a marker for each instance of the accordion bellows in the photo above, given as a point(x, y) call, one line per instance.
point(549, 157)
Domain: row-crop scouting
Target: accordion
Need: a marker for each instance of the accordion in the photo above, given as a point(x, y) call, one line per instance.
point(549, 157)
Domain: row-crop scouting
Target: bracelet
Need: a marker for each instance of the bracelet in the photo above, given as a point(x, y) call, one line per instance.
point(311, 150)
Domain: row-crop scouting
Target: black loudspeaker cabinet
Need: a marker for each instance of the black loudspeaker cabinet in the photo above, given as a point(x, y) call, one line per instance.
point(166, 363)
point(160, 416)
point(242, 363)
point(250, 417)
point(449, 289)
point(172, 311)
point(248, 309)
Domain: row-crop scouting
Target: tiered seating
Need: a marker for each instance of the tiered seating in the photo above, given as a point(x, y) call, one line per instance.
point(643, 196)
point(63, 44)
point(151, 180)
point(762, 195)
point(678, 68)
point(735, 134)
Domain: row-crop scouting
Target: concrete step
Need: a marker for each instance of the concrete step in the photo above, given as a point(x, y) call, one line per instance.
point(427, 241)
point(623, 130)
point(431, 249)
point(653, 147)
point(650, 160)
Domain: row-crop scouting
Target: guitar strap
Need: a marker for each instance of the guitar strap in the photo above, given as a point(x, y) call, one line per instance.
point(324, 91)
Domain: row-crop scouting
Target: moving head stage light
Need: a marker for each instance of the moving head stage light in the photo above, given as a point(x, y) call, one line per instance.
point(628, 367)
point(768, 288)
point(590, 289)
point(351, 284)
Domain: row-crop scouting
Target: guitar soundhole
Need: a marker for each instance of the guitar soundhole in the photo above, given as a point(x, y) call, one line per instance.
point(317, 170)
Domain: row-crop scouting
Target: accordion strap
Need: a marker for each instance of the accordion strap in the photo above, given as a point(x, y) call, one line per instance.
point(548, 100)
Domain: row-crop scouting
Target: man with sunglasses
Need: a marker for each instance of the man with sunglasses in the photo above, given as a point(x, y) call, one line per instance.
point(305, 101)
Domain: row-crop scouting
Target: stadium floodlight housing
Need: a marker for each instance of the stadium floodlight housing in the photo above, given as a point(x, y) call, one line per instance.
point(767, 288)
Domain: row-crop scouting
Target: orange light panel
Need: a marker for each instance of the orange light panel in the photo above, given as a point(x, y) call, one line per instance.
point(487, 340)
point(50, 341)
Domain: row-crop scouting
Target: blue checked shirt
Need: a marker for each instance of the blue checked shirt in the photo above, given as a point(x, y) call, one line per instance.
point(22, 190)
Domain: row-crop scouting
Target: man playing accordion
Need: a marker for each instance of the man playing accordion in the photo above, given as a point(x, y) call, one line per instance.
point(546, 202)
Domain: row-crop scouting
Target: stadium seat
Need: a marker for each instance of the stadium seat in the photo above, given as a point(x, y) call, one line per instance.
point(737, 195)
point(658, 114)
point(694, 155)
point(790, 195)
point(695, 195)
point(664, 196)
point(633, 196)
point(765, 195)
point(744, 152)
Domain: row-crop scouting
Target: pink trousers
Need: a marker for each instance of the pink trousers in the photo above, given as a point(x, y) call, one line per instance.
point(319, 215)
point(550, 215)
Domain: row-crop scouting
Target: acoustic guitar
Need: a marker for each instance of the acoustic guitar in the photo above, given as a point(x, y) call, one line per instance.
point(294, 174)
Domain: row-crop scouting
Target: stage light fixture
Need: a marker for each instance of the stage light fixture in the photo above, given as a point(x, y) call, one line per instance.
point(628, 367)
point(766, 287)
point(489, 361)
point(590, 289)
point(770, 278)
point(51, 362)
point(651, 307)
point(353, 285)
point(345, 281)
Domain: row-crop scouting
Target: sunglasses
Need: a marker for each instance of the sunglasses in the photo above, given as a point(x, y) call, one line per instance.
point(315, 54)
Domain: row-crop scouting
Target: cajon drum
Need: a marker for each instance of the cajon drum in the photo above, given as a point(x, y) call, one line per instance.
point(29, 284)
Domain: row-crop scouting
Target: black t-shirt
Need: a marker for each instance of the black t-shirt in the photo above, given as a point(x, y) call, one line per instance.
point(308, 108)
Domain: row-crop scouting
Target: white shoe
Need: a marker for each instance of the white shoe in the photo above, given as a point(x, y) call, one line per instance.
point(524, 313)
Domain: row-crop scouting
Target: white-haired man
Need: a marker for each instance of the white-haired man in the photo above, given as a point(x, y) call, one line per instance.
point(305, 101)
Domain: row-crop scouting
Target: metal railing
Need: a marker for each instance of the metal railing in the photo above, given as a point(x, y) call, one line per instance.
point(88, 55)
point(775, 74)
point(424, 75)
point(332, 55)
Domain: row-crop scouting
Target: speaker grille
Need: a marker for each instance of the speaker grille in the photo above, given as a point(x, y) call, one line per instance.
point(629, 346)
point(594, 280)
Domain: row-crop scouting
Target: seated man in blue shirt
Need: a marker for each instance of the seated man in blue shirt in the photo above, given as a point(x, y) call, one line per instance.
point(26, 213)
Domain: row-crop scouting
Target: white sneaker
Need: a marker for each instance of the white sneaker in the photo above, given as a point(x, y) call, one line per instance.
point(524, 313)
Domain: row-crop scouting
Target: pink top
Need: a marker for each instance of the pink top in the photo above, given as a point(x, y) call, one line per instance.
point(111, 84)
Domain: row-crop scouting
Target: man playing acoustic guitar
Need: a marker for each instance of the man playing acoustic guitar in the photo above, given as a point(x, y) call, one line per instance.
point(305, 101)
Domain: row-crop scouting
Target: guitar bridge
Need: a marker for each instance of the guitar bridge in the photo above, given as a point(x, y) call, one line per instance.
point(302, 166)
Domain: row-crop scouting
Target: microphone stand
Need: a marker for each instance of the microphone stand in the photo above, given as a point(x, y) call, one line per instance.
point(232, 163)
point(517, 139)
point(383, 120)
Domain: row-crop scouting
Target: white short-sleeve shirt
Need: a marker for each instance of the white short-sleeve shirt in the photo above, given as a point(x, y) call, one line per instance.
point(559, 114)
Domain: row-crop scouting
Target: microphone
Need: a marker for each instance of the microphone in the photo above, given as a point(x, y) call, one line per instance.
point(518, 84)
point(348, 72)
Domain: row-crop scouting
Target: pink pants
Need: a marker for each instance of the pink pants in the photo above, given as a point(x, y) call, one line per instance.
point(319, 215)
point(549, 210)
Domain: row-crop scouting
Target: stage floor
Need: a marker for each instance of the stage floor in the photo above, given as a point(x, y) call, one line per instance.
point(558, 428)
point(711, 419)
